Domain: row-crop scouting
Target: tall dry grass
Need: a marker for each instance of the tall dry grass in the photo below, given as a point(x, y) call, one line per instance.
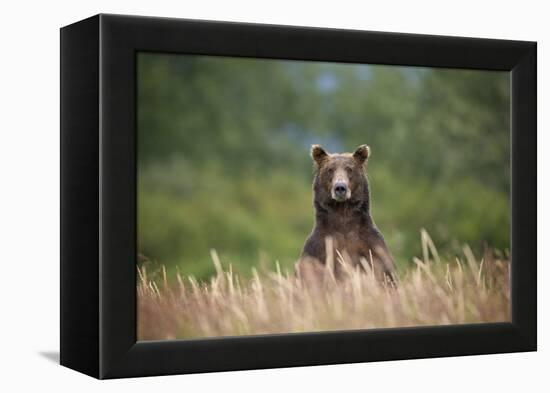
point(434, 292)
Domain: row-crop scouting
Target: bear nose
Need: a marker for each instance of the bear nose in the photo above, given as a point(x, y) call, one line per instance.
point(340, 188)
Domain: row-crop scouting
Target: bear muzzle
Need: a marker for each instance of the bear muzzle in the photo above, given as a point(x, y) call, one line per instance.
point(340, 191)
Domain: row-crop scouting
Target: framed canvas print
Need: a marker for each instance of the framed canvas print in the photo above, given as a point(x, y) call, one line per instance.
point(239, 196)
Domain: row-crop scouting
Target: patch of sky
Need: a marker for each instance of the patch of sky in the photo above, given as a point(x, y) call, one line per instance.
point(413, 75)
point(363, 72)
point(327, 82)
point(303, 137)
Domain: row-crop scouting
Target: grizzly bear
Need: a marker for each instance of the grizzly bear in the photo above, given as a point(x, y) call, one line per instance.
point(343, 221)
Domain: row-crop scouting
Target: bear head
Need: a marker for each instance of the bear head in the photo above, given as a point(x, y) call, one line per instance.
point(340, 178)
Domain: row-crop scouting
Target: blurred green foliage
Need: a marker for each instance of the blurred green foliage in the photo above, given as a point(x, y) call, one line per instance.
point(223, 155)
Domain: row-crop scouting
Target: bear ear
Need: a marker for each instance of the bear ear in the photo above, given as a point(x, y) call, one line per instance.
point(361, 154)
point(318, 154)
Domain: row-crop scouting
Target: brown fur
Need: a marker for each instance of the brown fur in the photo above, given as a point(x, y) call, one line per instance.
point(348, 221)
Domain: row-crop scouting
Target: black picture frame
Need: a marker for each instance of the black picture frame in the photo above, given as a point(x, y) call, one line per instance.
point(98, 196)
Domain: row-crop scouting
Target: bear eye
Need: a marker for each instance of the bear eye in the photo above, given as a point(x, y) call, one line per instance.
point(349, 170)
point(330, 171)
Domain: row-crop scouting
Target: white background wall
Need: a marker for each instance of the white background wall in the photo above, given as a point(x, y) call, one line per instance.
point(29, 193)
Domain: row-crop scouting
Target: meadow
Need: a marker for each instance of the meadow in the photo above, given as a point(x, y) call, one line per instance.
point(436, 291)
